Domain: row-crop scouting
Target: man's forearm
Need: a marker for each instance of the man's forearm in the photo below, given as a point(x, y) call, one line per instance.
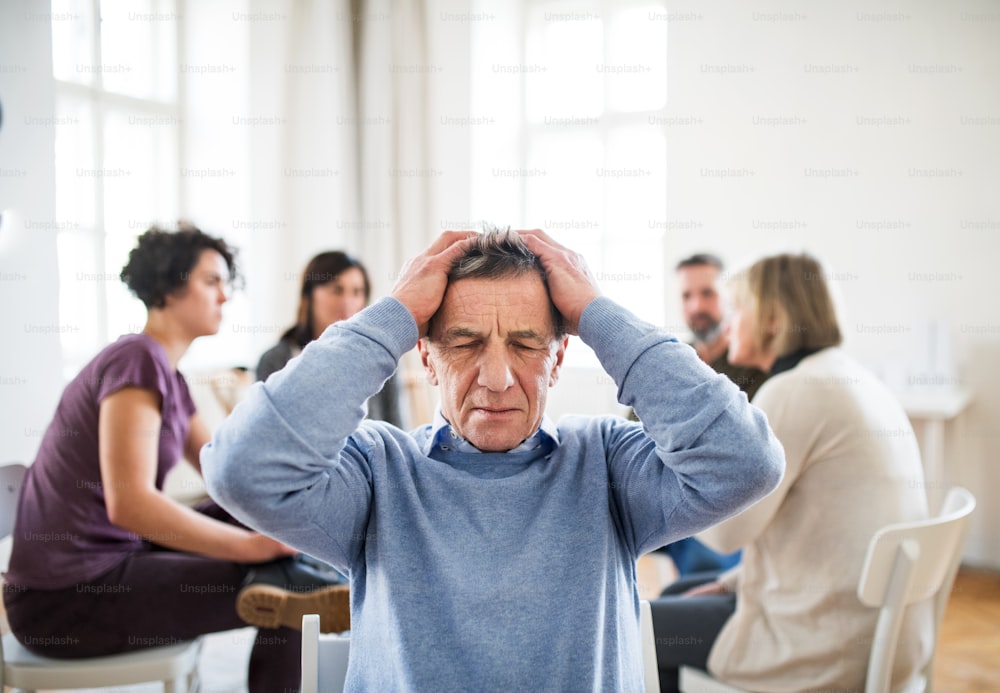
point(719, 451)
point(283, 437)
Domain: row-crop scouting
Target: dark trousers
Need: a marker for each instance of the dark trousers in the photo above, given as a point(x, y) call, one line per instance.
point(155, 597)
point(686, 627)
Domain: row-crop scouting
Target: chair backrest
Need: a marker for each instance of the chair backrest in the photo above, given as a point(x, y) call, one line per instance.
point(650, 672)
point(324, 658)
point(11, 478)
point(906, 563)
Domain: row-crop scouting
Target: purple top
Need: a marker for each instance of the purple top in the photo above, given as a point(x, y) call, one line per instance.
point(62, 535)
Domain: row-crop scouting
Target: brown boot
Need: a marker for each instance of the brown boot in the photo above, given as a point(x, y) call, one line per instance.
point(281, 592)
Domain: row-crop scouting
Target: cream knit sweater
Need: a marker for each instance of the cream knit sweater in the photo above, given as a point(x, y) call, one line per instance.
point(853, 466)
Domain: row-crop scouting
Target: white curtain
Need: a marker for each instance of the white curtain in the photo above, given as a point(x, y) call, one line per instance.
point(394, 162)
point(378, 119)
point(320, 195)
point(395, 171)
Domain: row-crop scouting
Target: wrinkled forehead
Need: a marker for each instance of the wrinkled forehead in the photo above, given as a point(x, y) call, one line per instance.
point(495, 306)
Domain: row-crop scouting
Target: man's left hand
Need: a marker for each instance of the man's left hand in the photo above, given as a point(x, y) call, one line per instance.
point(571, 285)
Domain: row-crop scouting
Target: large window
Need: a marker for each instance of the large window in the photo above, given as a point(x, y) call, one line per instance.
point(573, 96)
point(117, 132)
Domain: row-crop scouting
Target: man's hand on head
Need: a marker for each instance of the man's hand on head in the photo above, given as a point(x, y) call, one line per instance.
point(424, 278)
point(571, 285)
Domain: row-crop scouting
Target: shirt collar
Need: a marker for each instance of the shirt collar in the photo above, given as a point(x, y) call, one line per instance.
point(443, 436)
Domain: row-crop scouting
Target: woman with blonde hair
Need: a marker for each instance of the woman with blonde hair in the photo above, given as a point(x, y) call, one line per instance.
point(787, 618)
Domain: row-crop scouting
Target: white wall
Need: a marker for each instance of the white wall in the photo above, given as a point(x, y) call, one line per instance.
point(868, 137)
point(267, 114)
point(30, 361)
point(871, 138)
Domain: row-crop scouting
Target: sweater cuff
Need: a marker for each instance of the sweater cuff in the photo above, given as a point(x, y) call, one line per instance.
point(388, 322)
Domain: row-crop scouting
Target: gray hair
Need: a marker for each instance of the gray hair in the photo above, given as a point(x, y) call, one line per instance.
point(502, 254)
point(700, 260)
point(496, 254)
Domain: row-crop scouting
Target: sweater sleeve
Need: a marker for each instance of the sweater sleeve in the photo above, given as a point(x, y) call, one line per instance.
point(778, 400)
point(286, 456)
point(274, 359)
point(702, 453)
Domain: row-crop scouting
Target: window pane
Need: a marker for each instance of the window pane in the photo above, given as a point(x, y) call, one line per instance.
point(138, 39)
point(635, 179)
point(563, 192)
point(81, 294)
point(140, 171)
point(564, 51)
point(125, 312)
point(72, 41)
point(636, 68)
point(635, 189)
point(567, 202)
point(140, 189)
point(75, 164)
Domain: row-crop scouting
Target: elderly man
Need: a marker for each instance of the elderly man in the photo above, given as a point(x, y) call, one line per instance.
point(492, 549)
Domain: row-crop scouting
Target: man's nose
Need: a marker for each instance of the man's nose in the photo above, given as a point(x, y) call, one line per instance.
point(494, 370)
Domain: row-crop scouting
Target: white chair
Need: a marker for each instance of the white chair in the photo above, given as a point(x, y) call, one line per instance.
point(906, 563)
point(175, 665)
point(650, 673)
point(327, 673)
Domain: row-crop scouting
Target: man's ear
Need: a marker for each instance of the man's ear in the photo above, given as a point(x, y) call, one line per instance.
point(560, 354)
point(425, 358)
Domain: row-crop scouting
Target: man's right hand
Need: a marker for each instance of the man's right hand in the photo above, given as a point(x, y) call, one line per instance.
point(424, 278)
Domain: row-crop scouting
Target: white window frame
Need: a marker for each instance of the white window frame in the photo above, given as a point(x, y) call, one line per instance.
point(101, 103)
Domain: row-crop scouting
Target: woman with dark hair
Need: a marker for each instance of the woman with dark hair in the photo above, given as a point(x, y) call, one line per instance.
point(334, 287)
point(101, 555)
point(788, 618)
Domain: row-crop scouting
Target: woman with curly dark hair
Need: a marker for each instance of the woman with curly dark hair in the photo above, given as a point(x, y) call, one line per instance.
point(101, 555)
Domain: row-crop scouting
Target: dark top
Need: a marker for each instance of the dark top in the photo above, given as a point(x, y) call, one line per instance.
point(62, 533)
point(384, 406)
point(747, 379)
point(790, 361)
